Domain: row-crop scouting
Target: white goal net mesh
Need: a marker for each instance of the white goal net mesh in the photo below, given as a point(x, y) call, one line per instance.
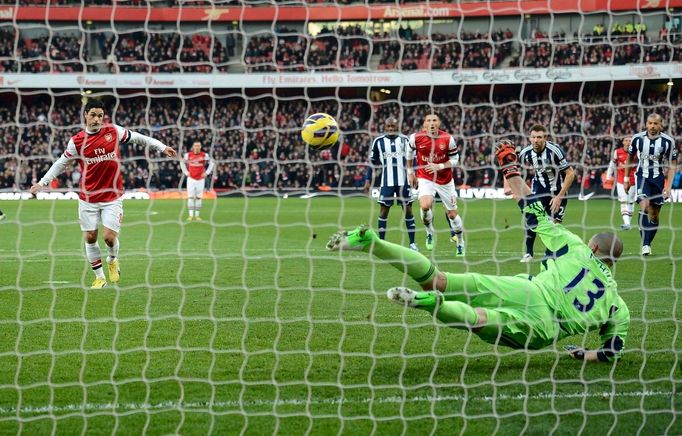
point(242, 322)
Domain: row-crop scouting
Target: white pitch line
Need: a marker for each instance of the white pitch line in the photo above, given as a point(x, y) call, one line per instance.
point(171, 405)
point(56, 282)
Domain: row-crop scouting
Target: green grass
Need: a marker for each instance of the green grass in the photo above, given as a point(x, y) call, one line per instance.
point(244, 323)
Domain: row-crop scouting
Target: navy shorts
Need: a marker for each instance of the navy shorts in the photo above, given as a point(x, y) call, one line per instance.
point(650, 189)
point(544, 198)
point(402, 194)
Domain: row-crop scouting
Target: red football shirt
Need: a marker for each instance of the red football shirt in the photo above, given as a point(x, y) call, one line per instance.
point(99, 156)
point(196, 164)
point(619, 158)
point(433, 150)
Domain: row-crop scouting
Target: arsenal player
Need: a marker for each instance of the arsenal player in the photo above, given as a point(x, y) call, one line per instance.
point(194, 168)
point(627, 199)
point(101, 185)
point(436, 154)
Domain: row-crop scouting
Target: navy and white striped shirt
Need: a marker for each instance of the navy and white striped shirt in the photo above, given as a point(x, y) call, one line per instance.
point(652, 153)
point(389, 153)
point(549, 166)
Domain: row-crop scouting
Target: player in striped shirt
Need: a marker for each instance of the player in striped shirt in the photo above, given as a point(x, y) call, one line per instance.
point(388, 152)
point(436, 154)
point(196, 165)
point(553, 177)
point(97, 150)
point(652, 147)
point(625, 197)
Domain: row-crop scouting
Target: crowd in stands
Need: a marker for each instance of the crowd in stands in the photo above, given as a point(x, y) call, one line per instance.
point(348, 48)
point(345, 48)
point(411, 51)
point(256, 141)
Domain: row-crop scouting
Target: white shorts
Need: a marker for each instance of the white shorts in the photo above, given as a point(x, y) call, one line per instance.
point(195, 188)
point(626, 196)
point(446, 193)
point(110, 214)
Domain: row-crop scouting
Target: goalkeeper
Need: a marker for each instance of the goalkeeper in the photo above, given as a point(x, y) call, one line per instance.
point(574, 293)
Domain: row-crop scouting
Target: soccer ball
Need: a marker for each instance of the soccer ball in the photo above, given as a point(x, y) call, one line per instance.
point(320, 131)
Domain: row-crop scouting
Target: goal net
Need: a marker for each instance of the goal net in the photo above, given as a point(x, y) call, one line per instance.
point(242, 322)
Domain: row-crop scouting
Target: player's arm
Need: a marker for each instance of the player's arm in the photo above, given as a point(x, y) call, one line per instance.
point(554, 236)
point(453, 159)
point(183, 165)
point(611, 171)
point(57, 167)
point(612, 333)
point(128, 136)
point(672, 169)
point(374, 161)
point(409, 161)
point(632, 149)
point(211, 165)
point(569, 177)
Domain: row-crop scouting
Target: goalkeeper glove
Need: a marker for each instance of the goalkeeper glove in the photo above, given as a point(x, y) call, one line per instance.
point(507, 159)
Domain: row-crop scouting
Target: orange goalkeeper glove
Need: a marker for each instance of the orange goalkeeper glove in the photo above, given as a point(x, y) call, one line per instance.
point(507, 159)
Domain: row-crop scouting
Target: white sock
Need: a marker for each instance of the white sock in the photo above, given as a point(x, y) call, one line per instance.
point(190, 206)
point(625, 212)
point(457, 226)
point(197, 206)
point(427, 219)
point(113, 251)
point(95, 258)
point(631, 208)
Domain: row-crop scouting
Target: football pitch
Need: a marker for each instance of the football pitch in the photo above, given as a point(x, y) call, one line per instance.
point(244, 323)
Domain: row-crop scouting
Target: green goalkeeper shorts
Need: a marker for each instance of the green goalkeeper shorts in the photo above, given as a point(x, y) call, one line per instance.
point(518, 314)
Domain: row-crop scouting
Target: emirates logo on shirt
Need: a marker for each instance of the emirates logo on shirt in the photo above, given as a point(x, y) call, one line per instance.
point(108, 137)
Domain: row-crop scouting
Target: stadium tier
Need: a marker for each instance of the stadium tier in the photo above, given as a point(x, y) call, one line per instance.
point(245, 285)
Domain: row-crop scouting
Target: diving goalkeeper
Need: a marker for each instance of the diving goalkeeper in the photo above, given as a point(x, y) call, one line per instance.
point(574, 293)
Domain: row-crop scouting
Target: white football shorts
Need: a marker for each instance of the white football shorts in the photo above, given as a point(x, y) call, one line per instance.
point(446, 193)
point(195, 188)
point(626, 196)
point(109, 213)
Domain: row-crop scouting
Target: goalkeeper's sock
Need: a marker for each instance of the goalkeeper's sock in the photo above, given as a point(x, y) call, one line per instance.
point(411, 227)
point(113, 251)
point(95, 258)
point(415, 264)
point(381, 226)
point(197, 206)
point(456, 314)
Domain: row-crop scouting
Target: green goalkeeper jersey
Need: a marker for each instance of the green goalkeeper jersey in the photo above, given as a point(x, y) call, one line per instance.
point(577, 286)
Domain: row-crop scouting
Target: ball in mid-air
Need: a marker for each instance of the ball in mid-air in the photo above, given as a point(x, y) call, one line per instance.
point(320, 131)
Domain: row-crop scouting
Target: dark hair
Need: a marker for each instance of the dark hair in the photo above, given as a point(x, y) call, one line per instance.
point(94, 103)
point(538, 128)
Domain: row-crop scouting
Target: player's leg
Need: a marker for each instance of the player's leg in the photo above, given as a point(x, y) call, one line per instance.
point(410, 225)
point(88, 216)
point(386, 194)
point(382, 221)
point(630, 198)
point(448, 196)
point(654, 193)
point(190, 199)
point(198, 198)
point(624, 206)
point(112, 217)
point(455, 314)
point(426, 194)
point(404, 259)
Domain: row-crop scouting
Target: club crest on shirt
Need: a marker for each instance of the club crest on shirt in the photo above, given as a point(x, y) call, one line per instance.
point(108, 137)
point(443, 146)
